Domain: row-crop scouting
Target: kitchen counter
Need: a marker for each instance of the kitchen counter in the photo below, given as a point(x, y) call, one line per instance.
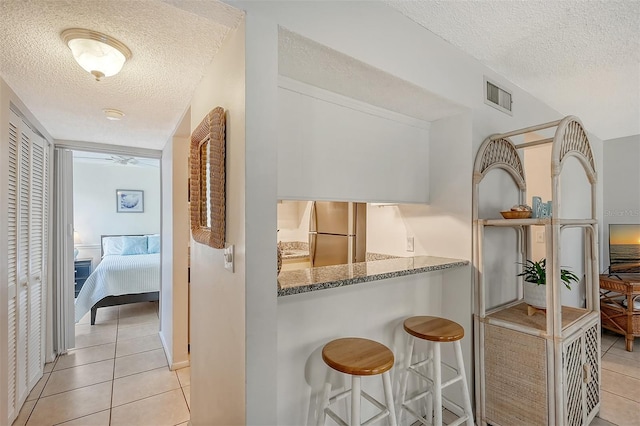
point(294, 250)
point(325, 277)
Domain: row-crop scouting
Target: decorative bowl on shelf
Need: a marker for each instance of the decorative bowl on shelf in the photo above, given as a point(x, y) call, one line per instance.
point(514, 214)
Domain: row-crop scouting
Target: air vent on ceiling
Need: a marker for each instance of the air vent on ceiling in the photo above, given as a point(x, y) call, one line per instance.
point(497, 97)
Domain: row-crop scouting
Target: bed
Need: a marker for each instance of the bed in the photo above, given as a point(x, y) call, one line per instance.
point(129, 272)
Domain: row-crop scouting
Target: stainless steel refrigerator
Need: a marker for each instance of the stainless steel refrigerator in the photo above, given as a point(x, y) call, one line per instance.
point(337, 233)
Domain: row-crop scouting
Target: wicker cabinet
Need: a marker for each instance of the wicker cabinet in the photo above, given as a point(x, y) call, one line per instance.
point(539, 368)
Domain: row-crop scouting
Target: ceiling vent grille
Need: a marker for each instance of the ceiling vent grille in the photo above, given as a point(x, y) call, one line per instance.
point(497, 97)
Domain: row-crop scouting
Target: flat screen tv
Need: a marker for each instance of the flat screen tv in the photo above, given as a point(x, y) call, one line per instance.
point(624, 248)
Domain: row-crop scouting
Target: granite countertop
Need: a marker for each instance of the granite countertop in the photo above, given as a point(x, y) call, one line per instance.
point(294, 249)
point(325, 277)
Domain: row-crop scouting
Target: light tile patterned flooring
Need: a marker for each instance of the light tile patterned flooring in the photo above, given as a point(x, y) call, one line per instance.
point(116, 375)
point(620, 382)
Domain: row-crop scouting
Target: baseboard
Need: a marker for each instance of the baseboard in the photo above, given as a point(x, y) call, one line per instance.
point(168, 354)
point(167, 351)
point(179, 365)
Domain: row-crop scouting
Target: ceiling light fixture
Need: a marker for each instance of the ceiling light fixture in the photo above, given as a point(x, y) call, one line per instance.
point(113, 114)
point(99, 54)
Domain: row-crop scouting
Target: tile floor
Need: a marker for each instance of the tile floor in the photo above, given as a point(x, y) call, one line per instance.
point(116, 375)
point(620, 385)
point(620, 382)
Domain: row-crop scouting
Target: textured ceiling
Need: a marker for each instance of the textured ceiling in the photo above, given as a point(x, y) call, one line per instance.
point(579, 57)
point(171, 42)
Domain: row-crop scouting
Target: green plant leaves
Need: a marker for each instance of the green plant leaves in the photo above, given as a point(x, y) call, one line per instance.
point(536, 272)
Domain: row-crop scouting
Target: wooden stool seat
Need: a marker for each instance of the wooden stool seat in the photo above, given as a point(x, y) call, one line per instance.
point(434, 329)
point(437, 331)
point(356, 356)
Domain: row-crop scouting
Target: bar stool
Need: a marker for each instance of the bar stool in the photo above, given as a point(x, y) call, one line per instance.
point(357, 357)
point(435, 330)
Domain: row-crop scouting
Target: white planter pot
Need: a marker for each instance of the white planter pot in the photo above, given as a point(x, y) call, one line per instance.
point(535, 295)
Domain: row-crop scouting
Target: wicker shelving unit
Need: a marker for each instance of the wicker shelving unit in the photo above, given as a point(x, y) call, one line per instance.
point(542, 369)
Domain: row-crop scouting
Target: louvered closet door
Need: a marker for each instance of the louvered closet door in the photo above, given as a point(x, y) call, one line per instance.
point(37, 256)
point(12, 233)
point(28, 204)
point(24, 190)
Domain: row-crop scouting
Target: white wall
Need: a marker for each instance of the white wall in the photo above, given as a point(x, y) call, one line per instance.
point(390, 42)
point(334, 148)
point(293, 220)
point(621, 193)
point(537, 163)
point(174, 296)
point(218, 296)
point(94, 203)
point(442, 227)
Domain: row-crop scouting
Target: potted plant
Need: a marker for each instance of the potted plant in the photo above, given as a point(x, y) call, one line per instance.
point(535, 276)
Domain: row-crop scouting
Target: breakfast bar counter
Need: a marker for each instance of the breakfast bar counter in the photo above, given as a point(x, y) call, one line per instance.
point(326, 277)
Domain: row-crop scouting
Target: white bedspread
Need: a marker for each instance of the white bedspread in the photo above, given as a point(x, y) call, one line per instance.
point(116, 275)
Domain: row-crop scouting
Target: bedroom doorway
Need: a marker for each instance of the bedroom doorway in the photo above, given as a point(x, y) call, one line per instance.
point(99, 178)
point(97, 194)
point(116, 224)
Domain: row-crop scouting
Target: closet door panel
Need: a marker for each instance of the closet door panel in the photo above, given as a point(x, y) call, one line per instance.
point(24, 189)
point(12, 232)
point(36, 292)
point(27, 205)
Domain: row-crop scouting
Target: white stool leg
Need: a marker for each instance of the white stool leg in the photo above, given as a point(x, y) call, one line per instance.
point(355, 401)
point(437, 386)
point(388, 397)
point(404, 378)
point(465, 390)
point(430, 374)
point(324, 402)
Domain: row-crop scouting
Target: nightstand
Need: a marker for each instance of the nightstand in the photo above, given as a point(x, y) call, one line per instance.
point(82, 271)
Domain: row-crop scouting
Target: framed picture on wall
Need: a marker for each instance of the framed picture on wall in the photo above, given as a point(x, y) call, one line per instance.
point(130, 201)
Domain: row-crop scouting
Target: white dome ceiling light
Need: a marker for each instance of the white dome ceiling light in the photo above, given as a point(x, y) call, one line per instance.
point(97, 53)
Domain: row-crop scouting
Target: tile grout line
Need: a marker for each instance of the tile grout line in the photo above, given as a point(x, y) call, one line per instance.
point(623, 397)
point(113, 378)
point(55, 361)
point(83, 365)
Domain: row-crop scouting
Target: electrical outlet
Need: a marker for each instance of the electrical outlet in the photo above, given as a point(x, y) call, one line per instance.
point(539, 236)
point(409, 243)
point(228, 258)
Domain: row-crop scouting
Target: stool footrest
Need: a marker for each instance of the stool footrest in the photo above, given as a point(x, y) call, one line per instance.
point(339, 396)
point(453, 407)
point(417, 395)
point(417, 416)
point(420, 374)
point(459, 421)
point(451, 381)
point(335, 417)
point(342, 395)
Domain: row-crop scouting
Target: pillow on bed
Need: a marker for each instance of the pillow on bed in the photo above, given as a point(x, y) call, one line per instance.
point(112, 246)
point(153, 244)
point(134, 245)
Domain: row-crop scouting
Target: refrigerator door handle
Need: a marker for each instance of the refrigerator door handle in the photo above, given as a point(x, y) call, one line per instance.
point(313, 218)
point(313, 227)
point(312, 247)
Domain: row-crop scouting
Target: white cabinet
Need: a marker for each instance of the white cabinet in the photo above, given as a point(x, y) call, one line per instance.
point(27, 229)
point(536, 368)
point(335, 148)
